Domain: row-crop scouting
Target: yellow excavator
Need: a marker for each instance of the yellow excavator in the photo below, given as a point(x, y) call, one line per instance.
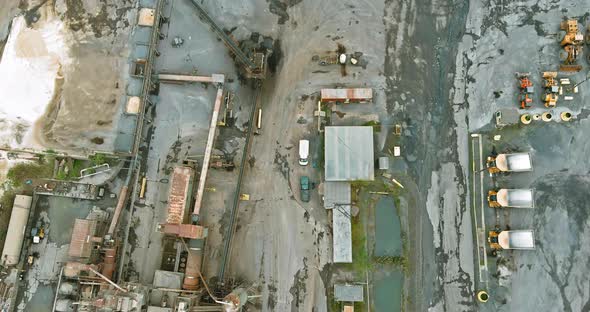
point(550, 96)
point(572, 46)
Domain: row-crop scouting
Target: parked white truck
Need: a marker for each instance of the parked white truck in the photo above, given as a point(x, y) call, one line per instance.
point(303, 152)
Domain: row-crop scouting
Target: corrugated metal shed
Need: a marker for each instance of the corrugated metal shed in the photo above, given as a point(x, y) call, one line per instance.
point(342, 230)
point(167, 279)
point(348, 293)
point(348, 308)
point(16, 229)
point(507, 116)
point(347, 95)
point(81, 242)
point(158, 309)
point(349, 154)
point(184, 230)
point(178, 196)
point(336, 193)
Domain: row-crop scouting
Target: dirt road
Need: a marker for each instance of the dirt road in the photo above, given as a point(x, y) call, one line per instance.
point(422, 43)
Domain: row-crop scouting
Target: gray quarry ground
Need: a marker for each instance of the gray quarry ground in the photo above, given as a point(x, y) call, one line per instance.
point(411, 50)
point(501, 39)
point(283, 245)
point(434, 66)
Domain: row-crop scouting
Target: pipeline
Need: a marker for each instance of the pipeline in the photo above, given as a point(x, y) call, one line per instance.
point(118, 209)
point(208, 150)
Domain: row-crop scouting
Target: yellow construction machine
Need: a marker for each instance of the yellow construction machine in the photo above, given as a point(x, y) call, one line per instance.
point(551, 85)
point(572, 46)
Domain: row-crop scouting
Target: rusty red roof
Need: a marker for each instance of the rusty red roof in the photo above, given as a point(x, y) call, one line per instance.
point(354, 95)
point(81, 242)
point(177, 196)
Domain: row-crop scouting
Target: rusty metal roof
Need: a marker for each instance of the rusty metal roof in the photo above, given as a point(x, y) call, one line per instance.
point(184, 230)
point(180, 185)
point(356, 94)
point(81, 242)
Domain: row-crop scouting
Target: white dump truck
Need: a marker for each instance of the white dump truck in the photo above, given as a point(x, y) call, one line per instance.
point(515, 162)
point(511, 198)
point(518, 239)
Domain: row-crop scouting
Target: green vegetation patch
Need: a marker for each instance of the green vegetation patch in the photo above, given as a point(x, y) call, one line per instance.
point(20, 173)
point(373, 123)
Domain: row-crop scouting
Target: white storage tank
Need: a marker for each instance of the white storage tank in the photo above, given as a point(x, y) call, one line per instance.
point(16, 229)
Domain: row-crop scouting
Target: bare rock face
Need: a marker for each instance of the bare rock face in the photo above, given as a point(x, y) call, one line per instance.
point(77, 52)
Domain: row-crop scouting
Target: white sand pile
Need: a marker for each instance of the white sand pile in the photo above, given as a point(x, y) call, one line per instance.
point(28, 72)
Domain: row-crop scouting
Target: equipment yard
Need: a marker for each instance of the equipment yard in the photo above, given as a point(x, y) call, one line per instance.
point(294, 155)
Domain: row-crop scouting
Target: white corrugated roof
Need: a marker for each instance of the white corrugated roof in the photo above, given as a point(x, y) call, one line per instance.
point(348, 293)
point(336, 193)
point(342, 237)
point(349, 154)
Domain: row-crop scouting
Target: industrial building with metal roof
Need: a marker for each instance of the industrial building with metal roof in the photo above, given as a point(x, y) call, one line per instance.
point(348, 293)
point(16, 230)
point(82, 238)
point(348, 157)
point(349, 153)
point(342, 234)
point(336, 194)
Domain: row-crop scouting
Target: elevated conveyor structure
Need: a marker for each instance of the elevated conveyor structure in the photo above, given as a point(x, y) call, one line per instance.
point(255, 66)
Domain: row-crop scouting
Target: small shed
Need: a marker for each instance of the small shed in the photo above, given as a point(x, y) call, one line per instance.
point(133, 105)
point(167, 279)
point(158, 309)
point(348, 308)
point(146, 17)
point(356, 95)
point(348, 293)
point(506, 117)
point(383, 163)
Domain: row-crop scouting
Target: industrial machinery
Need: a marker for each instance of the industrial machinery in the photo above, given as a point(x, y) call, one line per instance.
point(332, 59)
point(572, 46)
point(551, 85)
point(515, 162)
point(511, 198)
point(227, 165)
point(254, 60)
point(526, 90)
point(519, 239)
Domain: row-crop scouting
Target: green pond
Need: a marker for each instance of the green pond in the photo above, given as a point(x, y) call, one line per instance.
point(388, 280)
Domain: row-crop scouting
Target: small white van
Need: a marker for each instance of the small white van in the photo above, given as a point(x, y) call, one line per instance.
point(303, 152)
